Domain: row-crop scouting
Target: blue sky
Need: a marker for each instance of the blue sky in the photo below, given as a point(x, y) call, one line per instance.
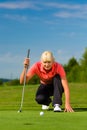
point(56, 25)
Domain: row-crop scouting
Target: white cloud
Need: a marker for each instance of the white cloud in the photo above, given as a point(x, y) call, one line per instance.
point(68, 14)
point(61, 56)
point(69, 10)
point(16, 17)
point(63, 6)
point(9, 58)
point(40, 5)
point(66, 10)
point(18, 5)
point(59, 52)
point(11, 65)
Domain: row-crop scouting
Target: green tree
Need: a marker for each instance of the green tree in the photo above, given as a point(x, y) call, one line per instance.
point(83, 64)
point(71, 63)
point(34, 80)
point(72, 70)
point(1, 82)
point(13, 82)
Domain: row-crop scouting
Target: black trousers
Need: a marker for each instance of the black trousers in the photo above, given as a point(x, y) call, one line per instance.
point(44, 92)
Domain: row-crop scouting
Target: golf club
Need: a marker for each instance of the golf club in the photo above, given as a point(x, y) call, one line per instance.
point(22, 99)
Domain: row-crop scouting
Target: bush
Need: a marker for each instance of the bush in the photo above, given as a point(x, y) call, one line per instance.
point(1, 82)
point(13, 82)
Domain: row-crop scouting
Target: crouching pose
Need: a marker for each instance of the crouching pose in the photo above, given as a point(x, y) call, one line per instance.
point(53, 82)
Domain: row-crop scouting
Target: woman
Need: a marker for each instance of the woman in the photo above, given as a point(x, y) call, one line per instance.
point(53, 82)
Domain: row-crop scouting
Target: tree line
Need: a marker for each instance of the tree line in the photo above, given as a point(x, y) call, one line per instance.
point(76, 71)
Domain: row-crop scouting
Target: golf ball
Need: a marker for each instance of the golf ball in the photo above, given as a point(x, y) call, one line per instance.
point(19, 111)
point(41, 113)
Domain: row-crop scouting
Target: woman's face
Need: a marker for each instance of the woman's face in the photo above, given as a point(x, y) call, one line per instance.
point(47, 65)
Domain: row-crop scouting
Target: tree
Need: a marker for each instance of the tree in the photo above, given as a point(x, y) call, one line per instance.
point(1, 82)
point(72, 70)
point(83, 60)
point(34, 80)
point(71, 63)
point(13, 82)
point(83, 64)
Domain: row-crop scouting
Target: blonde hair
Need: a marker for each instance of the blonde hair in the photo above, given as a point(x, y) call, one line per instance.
point(47, 56)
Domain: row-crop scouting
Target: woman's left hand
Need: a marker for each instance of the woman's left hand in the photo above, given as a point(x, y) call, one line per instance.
point(68, 108)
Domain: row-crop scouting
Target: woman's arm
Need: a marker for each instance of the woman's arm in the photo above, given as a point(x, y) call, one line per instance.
point(68, 107)
point(24, 71)
point(29, 74)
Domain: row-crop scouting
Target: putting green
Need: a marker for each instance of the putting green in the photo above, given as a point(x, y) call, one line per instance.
point(31, 120)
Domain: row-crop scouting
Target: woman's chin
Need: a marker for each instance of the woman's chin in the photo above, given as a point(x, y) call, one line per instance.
point(47, 69)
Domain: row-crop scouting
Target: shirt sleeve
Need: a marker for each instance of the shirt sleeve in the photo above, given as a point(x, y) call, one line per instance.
point(61, 71)
point(31, 70)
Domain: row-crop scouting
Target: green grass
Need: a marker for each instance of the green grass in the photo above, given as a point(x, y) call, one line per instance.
point(30, 119)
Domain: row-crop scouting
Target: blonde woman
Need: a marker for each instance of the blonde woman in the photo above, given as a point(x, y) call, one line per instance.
point(53, 82)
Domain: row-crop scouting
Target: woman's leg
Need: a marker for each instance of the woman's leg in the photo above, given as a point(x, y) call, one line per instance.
point(58, 90)
point(43, 94)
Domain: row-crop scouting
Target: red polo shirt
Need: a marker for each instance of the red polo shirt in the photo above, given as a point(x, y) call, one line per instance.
point(45, 76)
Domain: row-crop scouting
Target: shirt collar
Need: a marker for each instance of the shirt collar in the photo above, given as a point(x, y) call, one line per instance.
point(42, 69)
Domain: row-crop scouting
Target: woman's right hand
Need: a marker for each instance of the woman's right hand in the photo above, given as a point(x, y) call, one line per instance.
point(26, 62)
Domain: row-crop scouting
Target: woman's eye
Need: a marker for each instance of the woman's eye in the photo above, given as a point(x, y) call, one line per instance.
point(47, 62)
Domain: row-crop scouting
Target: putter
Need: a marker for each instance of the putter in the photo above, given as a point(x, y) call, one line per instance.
point(22, 99)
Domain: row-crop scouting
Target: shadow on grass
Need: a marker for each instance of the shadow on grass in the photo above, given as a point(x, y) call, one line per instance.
point(75, 109)
point(80, 109)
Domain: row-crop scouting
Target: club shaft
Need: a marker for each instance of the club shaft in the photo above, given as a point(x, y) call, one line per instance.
point(22, 99)
point(23, 91)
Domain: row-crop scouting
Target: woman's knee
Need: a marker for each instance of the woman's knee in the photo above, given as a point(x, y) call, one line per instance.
point(40, 99)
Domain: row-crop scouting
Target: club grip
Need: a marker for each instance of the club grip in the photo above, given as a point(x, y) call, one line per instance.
point(28, 53)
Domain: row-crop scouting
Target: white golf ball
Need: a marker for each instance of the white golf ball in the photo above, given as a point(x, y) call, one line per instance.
point(41, 113)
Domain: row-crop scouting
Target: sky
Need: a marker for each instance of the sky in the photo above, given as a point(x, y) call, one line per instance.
point(59, 26)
